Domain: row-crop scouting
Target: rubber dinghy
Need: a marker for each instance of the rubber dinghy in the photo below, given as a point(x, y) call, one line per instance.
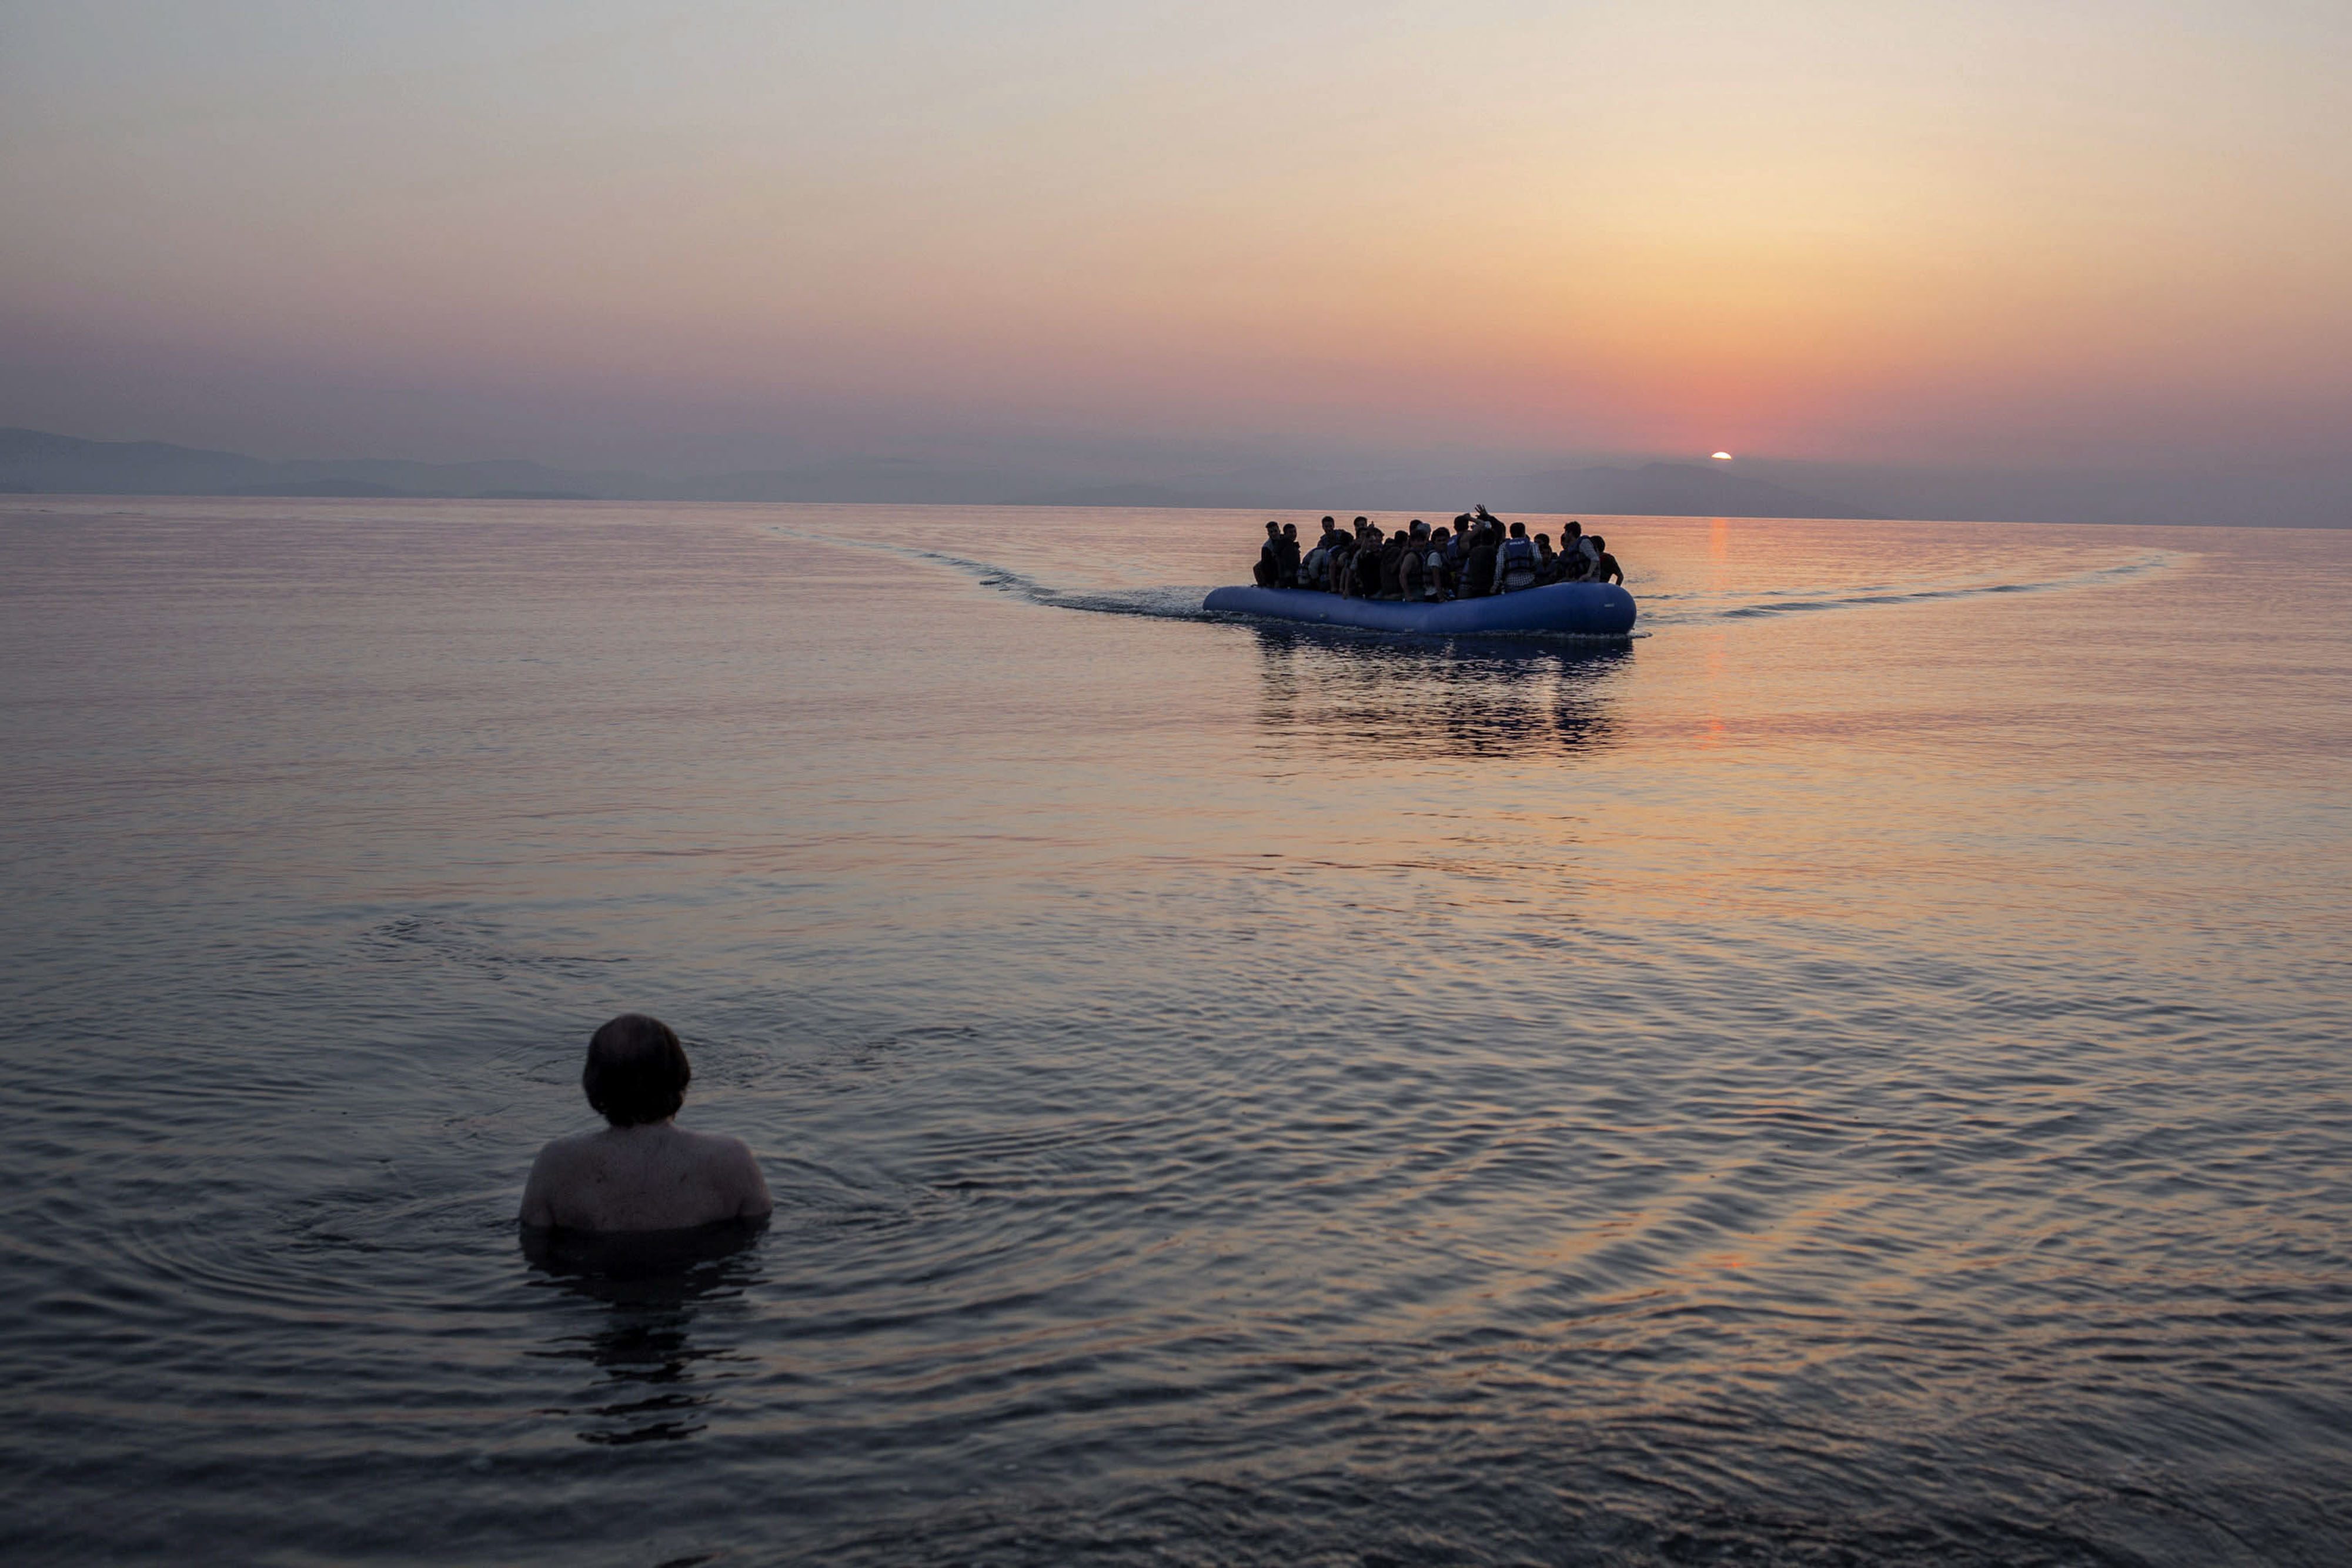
point(1578, 609)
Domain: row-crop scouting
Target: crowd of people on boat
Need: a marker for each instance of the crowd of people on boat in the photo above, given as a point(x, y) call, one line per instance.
point(1475, 556)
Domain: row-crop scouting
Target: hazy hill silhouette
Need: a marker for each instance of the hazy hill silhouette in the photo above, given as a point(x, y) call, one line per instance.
point(2313, 494)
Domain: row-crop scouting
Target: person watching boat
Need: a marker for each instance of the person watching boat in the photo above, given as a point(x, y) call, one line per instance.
point(641, 1171)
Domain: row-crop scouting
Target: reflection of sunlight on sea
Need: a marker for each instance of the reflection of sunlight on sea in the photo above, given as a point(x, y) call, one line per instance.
point(1857, 1086)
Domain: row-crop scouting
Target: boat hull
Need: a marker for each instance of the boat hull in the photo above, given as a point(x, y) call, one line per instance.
point(1573, 609)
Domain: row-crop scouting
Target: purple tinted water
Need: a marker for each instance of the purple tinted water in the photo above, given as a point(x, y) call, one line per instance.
point(1858, 1075)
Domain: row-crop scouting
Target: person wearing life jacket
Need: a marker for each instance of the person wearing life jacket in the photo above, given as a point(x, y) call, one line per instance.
point(1604, 565)
point(1285, 563)
point(1337, 568)
point(1269, 554)
point(1436, 572)
point(1588, 551)
point(1568, 565)
point(1410, 570)
point(1516, 562)
point(1368, 564)
point(1391, 554)
point(1546, 563)
point(1311, 569)
point(1478, 564)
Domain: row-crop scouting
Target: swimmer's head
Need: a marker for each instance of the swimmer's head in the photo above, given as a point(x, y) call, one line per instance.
point(637, 1070)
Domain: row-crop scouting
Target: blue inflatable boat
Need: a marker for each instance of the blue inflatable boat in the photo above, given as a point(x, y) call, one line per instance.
point(1574, 608)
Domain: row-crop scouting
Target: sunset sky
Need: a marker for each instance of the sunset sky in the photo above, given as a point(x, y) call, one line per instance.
point(2094, 234)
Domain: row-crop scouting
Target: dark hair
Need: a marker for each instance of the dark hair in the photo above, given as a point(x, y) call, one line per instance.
point(637, 1070)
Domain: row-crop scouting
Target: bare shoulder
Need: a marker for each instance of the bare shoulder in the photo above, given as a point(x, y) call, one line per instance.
point(715, 1147)
point(560, 1154)
point(551, 1173)
point(732, 1160)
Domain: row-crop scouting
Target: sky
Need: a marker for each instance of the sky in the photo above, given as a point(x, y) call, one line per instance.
point(2081, 236)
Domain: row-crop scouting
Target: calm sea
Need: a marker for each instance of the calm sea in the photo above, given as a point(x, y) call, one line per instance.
point(1861, 1074)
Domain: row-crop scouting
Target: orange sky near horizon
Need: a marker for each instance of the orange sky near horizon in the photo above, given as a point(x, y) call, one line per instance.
point(1901, 231)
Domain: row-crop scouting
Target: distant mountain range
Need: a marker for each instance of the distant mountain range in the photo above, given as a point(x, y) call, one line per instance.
point(37, 462)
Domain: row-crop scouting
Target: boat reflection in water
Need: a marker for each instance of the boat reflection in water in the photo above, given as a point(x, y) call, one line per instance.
point(1461, 696)
point(652, 1382)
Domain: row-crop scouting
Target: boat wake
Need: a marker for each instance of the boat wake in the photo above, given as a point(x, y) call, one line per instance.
point(1659, 609)
point(1703, 609)
point(1162, 603)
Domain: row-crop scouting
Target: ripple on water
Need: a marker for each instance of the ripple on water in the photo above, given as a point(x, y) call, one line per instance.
point(1802, 1089)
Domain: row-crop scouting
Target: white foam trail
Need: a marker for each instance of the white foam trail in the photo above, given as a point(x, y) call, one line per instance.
point(1695, 609)
point(1166, 603)
point(1183, 603)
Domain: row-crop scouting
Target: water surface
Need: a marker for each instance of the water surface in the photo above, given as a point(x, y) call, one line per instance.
point(1857, 1074)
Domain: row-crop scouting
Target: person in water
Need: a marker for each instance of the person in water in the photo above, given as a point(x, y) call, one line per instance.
point(642, 1171)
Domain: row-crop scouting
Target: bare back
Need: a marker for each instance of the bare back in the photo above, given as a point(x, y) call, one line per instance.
point(654, 1176)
